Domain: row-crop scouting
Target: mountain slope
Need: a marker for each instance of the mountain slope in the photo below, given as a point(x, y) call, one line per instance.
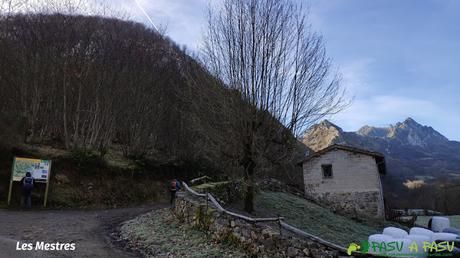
point(96, 83)
point(411, 149)
point(412, 152)
point(89, 84)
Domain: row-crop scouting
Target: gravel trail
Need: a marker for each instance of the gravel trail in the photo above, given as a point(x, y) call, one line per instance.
point(89, 230)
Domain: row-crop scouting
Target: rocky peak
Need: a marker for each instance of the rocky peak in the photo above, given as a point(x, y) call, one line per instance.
point(408, 123)
point(413, 133)
point(327, 124)
point(411, 151)
point(321, 135)
point(409, 132)
point(409, 120)
point(371, 131)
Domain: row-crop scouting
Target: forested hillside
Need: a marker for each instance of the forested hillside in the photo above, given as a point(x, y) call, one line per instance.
point(91, 84)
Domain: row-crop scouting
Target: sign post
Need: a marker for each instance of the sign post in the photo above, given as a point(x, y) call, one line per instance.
point(38, 168)
point(11, 182)
point(47, 185)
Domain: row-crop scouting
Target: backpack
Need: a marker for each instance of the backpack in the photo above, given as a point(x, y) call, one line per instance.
point(28, 183)
point(173, 185)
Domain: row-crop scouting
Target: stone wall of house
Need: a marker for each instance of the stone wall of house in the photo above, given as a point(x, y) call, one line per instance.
point(355, 186)
point(259, 239)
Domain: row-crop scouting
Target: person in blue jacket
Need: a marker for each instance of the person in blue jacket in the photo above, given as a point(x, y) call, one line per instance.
point(175, 186)
point(27, 185)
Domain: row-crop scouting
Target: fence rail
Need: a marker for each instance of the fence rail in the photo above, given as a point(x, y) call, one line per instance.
point(193, 191)
point(310, 236)
point(199, 179)
point(221, 209)
point(283, 224)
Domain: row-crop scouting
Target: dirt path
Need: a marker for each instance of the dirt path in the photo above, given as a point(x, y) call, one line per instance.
point(89, 230)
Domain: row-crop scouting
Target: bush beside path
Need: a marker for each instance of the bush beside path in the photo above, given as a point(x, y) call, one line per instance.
point(160, 234)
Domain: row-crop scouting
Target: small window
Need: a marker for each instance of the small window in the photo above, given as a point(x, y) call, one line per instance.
point(327, 170)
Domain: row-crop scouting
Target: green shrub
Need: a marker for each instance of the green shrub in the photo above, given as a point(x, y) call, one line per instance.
point(84, 158)
point(225, 192)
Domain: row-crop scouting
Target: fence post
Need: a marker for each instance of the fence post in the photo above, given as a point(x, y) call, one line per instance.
point(207, 201)
point(279, 224)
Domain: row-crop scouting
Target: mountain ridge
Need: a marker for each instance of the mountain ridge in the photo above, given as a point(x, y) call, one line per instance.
point(406, 144)
point(416, 133)
point(413, 153)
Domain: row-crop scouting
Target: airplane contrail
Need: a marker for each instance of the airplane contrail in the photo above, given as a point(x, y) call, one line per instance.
point(146, 15)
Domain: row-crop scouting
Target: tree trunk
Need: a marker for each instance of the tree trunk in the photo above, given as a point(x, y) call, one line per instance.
point(249, 195)
point(76, 140)
point(250, 167)
point(64, 112)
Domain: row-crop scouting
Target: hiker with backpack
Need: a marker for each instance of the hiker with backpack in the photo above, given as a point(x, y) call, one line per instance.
point(27, 185)
point(175, 186)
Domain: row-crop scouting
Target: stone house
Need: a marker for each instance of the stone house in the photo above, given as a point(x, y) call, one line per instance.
point(346, 179)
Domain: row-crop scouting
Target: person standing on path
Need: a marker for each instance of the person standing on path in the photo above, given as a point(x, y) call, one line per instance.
point(175, 186)
point(27, 185)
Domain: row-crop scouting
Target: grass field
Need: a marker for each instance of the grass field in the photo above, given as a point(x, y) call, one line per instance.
point(454, 220)
point(318, 220)
point(159, 234)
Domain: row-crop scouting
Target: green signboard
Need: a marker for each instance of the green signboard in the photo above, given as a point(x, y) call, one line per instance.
point(39, 169)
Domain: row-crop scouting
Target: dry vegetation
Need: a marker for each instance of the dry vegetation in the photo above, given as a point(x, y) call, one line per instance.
point(318, 220)
point(159, 234)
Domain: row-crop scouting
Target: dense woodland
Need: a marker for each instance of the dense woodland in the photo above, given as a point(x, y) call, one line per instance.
point(94, 84)
point(91, 83)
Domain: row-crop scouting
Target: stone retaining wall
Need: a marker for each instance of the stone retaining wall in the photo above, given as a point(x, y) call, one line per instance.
point(366, 202)
point(259, 239)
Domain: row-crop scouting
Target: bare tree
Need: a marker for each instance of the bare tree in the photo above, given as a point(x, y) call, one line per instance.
point(267, 51)
point(59, 88)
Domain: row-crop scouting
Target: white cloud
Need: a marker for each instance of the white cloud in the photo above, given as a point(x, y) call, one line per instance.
point(373, 106)
point(183, 19)
point(319, 10)
point(356, 76)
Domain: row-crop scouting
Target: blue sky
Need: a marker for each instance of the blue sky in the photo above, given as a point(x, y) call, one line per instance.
point(398, 59)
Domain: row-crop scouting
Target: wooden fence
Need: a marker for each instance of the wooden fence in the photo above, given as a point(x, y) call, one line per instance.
point(284, 225)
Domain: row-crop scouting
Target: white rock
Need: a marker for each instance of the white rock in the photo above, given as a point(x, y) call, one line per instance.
point(421, 231)
point(443, 236)
point(406, 242)
point(439, 223)
point(420, 239)
point(379, 239)
point(395, 232)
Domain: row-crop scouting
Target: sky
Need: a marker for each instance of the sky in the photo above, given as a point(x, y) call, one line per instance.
point(397, 59)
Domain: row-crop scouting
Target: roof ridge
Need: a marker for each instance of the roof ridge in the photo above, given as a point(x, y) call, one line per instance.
point(346, 148)
point(352, 148)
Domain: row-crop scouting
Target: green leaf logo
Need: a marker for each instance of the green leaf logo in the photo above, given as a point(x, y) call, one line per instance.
point(353, 247)
point(364, 247)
